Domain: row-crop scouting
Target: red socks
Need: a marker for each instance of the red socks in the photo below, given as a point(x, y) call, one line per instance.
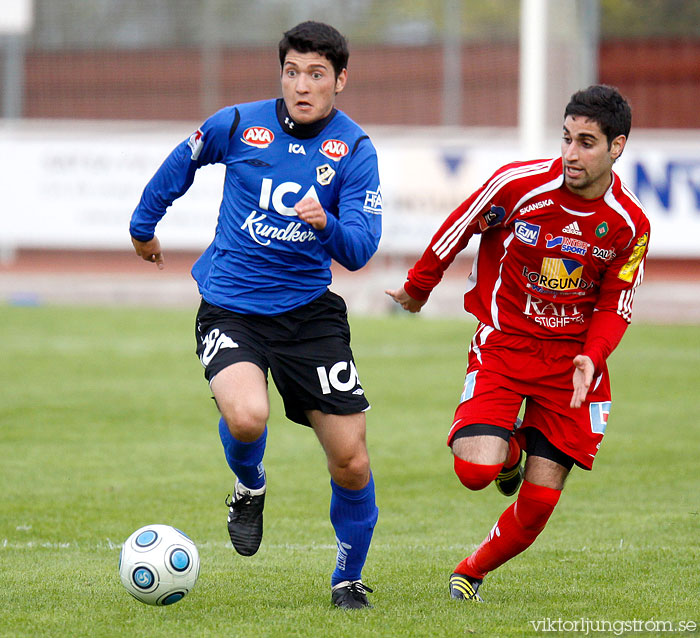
point(474, 476)
point(513, 453)
point(515, 531)
point(477, 477)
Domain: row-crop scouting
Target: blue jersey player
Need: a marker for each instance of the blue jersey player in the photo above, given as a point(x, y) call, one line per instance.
point(301, 189)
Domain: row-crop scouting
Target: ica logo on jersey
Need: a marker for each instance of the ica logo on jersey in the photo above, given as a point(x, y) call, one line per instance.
point(263, 230)
point(275, 197)
point(334, 149)
point(258, 136)
point(342, 376)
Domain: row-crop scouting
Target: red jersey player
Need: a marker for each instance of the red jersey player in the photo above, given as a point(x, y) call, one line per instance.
point(563, 248)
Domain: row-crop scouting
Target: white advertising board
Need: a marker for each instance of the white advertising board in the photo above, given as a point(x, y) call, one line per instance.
point(75, 184)
point(17, 16)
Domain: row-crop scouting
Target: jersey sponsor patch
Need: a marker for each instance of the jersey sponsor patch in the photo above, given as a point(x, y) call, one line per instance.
point(606, 254)
point(373, 202)
point(342, 376)
point(567, 244)
point(296, 149)
point(334, 149)
point(561, 275)
point(283, 197)
point(258, 136)
point(536, 206)
point(550, 314)
point(627, 271)
point(262, 232)
point(599, 416)
point(196, 143)
point(527, 233)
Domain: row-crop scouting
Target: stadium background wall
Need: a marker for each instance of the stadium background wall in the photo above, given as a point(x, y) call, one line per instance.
point(660, 77)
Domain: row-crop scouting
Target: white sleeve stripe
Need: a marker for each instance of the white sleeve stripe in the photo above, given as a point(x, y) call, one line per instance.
point(610, 200)
point(458, 227)
point(624, 305)
point(497, 286)
point(450, 237)
point(630, 194)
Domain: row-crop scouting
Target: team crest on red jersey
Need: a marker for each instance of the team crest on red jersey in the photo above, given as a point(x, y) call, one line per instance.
point(258, 136)
point(334, 149)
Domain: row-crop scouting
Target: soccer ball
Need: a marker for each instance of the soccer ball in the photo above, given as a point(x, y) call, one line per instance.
point(158, 564)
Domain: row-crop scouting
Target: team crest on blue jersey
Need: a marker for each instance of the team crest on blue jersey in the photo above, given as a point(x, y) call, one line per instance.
point(324, 174)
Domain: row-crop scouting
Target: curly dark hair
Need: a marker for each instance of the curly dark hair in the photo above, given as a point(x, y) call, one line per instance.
point(606, 106)
point(316, 37)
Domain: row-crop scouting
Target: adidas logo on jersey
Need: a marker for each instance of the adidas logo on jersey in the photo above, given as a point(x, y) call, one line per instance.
point(572, 229)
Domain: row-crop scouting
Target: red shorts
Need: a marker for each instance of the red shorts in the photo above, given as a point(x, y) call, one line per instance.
point(506, 369)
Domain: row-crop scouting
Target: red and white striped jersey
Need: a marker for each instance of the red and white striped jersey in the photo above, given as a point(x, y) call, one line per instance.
point(547, 258)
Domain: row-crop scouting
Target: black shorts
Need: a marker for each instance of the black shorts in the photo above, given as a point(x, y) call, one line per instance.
point(535, 443)
point(307, 350)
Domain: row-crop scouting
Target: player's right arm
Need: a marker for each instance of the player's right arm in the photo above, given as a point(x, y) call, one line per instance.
point(488, 207)
point(452, 237)
point(207, 145)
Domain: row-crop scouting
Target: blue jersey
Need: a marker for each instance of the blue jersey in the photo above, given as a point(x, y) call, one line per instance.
point(264, 259)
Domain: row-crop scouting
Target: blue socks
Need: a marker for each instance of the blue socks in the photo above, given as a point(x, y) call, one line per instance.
point(353, 512)
point(353, 515)
point(245, 459)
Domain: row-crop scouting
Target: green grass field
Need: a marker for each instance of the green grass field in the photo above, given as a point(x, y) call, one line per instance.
point(106, 424)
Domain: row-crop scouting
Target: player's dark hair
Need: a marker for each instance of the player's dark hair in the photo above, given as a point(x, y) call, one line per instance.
point(604, 105)
point(316, 37)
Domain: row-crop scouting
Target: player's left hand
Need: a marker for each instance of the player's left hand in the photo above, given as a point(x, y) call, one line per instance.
point(583, 377)
point(311, 212)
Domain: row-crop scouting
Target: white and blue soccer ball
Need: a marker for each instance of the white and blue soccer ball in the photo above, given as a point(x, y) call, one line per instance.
point(158, 564)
